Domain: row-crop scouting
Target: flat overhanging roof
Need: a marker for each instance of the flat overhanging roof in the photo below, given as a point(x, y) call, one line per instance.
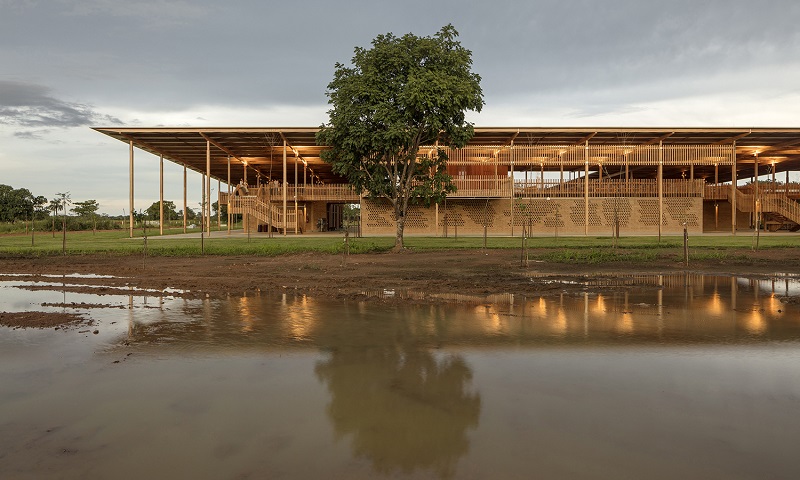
point(262, 148)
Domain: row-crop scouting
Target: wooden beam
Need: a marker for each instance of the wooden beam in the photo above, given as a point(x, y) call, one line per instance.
point(731, 139)
point(221, 147)
point(660, 139)
point(585, 139)
point(513, 137)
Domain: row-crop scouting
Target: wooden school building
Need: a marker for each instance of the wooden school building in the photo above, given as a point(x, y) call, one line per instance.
point(568, 181)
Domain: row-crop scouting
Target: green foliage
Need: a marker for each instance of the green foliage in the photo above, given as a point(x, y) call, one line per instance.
point(598, 256)
point(215, 207)
point(86, 208)
point(20, 204)
point(399, 95)
point(154, 210)
point(190, 214)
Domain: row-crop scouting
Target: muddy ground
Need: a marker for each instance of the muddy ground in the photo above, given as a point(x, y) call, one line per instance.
point(469, 272)
point(427, 274)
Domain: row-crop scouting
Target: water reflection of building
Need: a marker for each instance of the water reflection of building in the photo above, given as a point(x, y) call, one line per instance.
point(678, 307)
point(400, 390)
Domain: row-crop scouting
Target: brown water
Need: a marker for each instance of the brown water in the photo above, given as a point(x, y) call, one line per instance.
point(637, 377)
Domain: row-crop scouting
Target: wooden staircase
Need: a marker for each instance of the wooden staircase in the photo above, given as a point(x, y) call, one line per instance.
point(269, 214)
point(778, 209)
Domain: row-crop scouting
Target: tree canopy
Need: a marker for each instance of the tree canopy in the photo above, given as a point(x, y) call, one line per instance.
point(154, 211)
point(20, 204)
point(86, 208)
point(401, 94)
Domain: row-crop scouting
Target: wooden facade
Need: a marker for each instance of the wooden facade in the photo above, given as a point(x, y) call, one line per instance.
point(570, 181)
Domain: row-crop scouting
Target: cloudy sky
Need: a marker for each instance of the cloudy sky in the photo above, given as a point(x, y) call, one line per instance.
point(66, 65)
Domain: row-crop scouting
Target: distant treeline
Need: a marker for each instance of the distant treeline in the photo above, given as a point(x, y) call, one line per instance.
point(21, 211)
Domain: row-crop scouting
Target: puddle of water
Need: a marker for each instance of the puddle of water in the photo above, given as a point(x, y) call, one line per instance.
point(662, 377)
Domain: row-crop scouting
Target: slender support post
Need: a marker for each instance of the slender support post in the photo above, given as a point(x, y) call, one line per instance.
point(185, 205)
point(733, 189)
point(436, 221)
point(219, 205)
point(773, 177)
point(244, 173)
point(228, 210)
point(208, 187)
point(202, 202)
point(161, 195)
point(541, 177)
point(130, 171)
point(586, 189)
point(285, 193)
point(511, 194)
point(786, 185)
point(755, 191)
point(627, 186)
point(296, 209)
point(660, 188)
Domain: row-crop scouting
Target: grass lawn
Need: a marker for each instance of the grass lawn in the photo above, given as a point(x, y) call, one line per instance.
point(564, 249)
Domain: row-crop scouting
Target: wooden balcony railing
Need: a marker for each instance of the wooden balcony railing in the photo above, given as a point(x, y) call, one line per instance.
point(491, 186)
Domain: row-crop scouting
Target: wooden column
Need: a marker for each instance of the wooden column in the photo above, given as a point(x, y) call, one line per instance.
point(436, 220)
point(786, 188)
point(207, 187)
point(296, 208)
point(219, 205)
point(586, 189)
point(285, 193)
point(161, 195)
point(510, 195)
point(184, 198)
point(773, 177)
point(733, 189)
point(627, 185)
point(130, 203)
point(755, 191)
point(228, 210)
point(660, 187)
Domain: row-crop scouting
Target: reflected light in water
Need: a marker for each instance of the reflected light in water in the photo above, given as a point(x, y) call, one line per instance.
point(246, 315)
point(756, 323)
point(600, 307)
point(493, 320)
point(559, 324)
point(715, 304)
point(773, 304)
point(301, 317)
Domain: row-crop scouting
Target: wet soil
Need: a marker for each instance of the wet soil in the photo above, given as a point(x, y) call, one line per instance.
point(468, 272)
point(55, 320)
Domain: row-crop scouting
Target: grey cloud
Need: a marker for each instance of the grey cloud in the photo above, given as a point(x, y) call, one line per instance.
point(31, 105)
point(156, 12)
point(32, 134)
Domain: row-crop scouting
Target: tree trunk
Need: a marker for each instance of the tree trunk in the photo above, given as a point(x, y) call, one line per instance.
point(398, 239)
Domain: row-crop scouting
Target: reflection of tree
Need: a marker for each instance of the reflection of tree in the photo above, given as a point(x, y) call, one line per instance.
point(406, 409)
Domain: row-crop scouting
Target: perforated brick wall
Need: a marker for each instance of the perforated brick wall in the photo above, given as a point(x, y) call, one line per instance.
point(636, 216)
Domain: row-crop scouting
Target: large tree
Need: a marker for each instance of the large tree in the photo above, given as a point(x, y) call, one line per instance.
point(154, 210)
point(401, 94)
point(19, 204)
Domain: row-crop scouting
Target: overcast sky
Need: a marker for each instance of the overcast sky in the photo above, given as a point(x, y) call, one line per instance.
point(66, 65)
